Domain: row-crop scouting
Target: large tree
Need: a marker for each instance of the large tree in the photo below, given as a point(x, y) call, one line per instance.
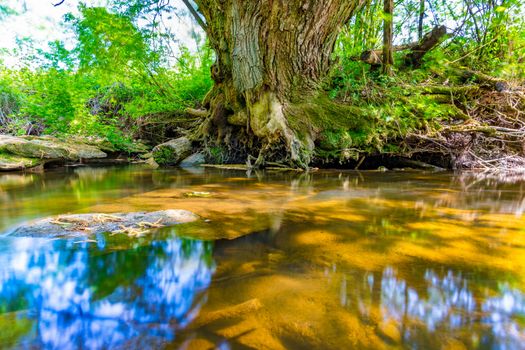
point(271, 57)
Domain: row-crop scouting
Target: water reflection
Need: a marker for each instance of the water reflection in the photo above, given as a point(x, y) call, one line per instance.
point(82, 297)
point(27, 196)
point(334, 259)
point(444, 305)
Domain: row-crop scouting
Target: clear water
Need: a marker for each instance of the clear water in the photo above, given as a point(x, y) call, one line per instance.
point(327, 260)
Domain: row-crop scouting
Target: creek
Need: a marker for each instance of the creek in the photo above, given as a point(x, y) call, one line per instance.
point(280, 260)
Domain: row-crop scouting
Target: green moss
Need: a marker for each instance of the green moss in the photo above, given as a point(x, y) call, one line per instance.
point(216, 154)
point(332, 140)
point(342, 131)
point(322, 113)
point(13, 162)
point(164, 156)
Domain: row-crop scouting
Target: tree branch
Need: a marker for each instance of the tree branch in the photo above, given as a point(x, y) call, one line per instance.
point(59, 3)
point(195, 15)
point(427, 43)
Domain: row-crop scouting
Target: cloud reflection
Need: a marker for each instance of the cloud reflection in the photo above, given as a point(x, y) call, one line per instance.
point(102, 299)
point(445, 302)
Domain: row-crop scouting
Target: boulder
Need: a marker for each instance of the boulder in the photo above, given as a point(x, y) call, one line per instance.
point(34, 148)
point(172, 152)
point(83, 151)
point(137, 147)
point(105, 145)
point(90, 224)
point(195, 159)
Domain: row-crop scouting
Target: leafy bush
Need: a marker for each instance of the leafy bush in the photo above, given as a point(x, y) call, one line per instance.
point(111, 80)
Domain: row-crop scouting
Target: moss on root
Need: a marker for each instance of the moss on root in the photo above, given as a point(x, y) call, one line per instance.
point(322, 113)
point(336, 127)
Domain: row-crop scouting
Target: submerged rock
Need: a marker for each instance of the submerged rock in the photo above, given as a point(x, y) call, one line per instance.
point(228, 313)
point(389, 331)
point(86, 224)
point(195, 159)
point(172, 152)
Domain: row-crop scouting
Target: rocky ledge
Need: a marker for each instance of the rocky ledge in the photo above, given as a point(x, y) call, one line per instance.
point(26, 152)
point(131, 224)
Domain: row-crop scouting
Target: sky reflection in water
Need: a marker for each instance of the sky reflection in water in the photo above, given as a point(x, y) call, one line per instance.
point(94, 299)
point(447, 304)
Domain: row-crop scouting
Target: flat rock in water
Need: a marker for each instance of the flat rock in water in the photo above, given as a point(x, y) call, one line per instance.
point(47, 147)
point(19, 153)
point(9, 162)
point(86, 224)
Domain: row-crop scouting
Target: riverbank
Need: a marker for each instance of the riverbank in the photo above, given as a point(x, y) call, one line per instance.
point(457, 120)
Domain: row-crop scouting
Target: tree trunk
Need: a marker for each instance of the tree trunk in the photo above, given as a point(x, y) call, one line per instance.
point(421, 19)
point(388, 33)
point(271, 56)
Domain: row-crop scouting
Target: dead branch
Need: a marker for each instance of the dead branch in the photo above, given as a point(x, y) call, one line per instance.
point(427, 43)
point(467, 74)
point(417, 49)
point(196, 15)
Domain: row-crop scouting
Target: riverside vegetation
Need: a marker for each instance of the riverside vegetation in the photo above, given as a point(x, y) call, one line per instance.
point(133, 257)
point(428, 82)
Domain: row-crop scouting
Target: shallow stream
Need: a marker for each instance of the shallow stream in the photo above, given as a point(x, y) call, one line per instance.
point(325, 260)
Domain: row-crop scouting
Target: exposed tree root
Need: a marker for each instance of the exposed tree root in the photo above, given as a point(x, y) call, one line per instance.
point(201, 113)
point(483, 126)
point(259, 134)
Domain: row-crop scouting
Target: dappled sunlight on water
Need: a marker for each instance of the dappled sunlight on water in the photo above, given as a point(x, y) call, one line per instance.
point(279, 260)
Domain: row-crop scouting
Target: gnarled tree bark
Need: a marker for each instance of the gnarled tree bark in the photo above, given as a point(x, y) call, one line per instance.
point(271, 56)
